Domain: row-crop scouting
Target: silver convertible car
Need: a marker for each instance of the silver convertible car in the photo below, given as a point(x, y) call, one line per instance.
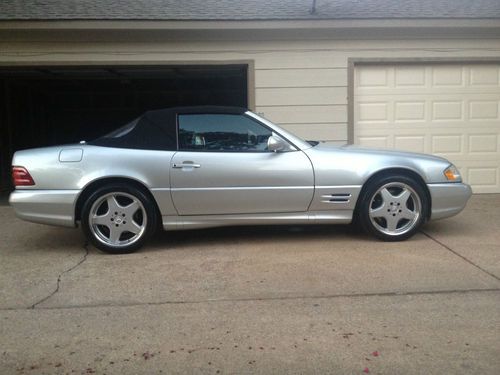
point(200, 167)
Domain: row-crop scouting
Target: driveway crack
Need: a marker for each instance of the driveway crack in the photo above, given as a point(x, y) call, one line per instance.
point(460, 255)
point(59, 277)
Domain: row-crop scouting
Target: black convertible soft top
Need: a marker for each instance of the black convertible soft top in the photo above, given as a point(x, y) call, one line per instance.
point(156, 130)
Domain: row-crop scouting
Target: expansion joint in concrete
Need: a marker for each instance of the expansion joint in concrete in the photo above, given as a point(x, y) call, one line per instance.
point(460, 255)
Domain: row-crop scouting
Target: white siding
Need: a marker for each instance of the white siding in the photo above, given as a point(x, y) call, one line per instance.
point(285, 96)
point(301, 85)
point(290, 77)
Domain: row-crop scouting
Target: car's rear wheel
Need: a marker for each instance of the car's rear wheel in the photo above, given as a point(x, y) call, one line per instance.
point(118, 218)
point(393, 208)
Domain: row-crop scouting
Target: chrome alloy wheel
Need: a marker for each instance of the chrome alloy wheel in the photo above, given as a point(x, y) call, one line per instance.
point(117, 219)
point(395, 208)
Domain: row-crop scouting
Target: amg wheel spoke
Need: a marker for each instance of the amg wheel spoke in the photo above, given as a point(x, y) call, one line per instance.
point(386, 195)
point(392, 223)
point(113, 204)
point(408, 214)
point(102, 220)
point(378, 212)
point(131, 209)
point(403, 197)
point(114, 234)
point(132, 227)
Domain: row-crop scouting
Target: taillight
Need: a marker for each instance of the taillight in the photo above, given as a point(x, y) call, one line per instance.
point(21, 177)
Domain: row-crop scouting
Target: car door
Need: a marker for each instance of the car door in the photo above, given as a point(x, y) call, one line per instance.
point(223, 166)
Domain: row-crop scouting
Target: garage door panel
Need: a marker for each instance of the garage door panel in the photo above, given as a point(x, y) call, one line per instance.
point(448, 110)
point(373, 77)
point(457, 110)
point(483, 143)
point(405, 111)
point(411, 91)
point(435, 76)
point(484, 109)
point(484, 75)
point(374, 111)
point(409, 76)
point(447, 144)
point(448, 76)
point(483, 176)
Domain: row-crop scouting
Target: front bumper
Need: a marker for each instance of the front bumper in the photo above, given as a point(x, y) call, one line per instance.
point(54, 207)
point(448, 199)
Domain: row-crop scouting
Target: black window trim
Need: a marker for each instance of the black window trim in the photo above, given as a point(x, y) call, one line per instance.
point(239, 114)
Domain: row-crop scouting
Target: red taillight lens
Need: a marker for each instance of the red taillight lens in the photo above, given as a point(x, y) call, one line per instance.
point(21, 177)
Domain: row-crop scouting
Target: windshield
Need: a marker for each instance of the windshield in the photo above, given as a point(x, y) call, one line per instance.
point(297, 141)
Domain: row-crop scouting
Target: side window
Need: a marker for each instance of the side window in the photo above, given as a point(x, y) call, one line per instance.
point(221, 132)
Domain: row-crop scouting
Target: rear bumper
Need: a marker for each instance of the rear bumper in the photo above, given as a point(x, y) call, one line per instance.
point(54, 207)
point(448, 199)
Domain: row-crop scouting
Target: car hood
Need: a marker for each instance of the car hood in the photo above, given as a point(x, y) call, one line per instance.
point(378, 152)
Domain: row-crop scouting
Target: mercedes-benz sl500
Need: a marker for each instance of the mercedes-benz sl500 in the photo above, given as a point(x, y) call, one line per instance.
point(199, 167)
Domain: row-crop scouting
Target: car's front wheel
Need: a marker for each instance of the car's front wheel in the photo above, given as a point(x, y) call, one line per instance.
point(118, 218)
point(393, 208)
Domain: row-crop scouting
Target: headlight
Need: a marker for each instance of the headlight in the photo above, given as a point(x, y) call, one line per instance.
point(452, 174)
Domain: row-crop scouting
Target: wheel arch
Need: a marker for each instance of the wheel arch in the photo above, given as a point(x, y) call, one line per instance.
point(100, 182)
point(391, 172)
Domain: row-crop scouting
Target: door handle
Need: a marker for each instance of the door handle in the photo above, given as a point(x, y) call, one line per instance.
point(186, 165)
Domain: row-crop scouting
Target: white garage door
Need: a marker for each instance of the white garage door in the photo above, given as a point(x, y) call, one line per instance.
point(447, 110)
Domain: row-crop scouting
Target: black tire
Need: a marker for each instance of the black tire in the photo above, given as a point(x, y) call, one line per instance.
point(144, 219)
point(383, 211)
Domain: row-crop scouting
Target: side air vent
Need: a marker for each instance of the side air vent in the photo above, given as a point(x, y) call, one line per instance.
point(336, 198)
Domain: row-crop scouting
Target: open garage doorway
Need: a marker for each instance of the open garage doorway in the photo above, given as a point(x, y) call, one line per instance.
point(43, 106)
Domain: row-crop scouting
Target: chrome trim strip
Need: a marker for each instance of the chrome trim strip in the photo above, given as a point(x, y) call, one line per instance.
point(336, 198)
point(342, 197)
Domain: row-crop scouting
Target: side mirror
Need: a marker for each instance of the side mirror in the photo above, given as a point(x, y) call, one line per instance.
point(276, 144)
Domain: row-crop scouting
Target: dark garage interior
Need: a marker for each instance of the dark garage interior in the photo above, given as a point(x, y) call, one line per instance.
point(42, 106)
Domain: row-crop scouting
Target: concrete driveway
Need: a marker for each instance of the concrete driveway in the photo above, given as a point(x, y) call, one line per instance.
point(255, 300)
